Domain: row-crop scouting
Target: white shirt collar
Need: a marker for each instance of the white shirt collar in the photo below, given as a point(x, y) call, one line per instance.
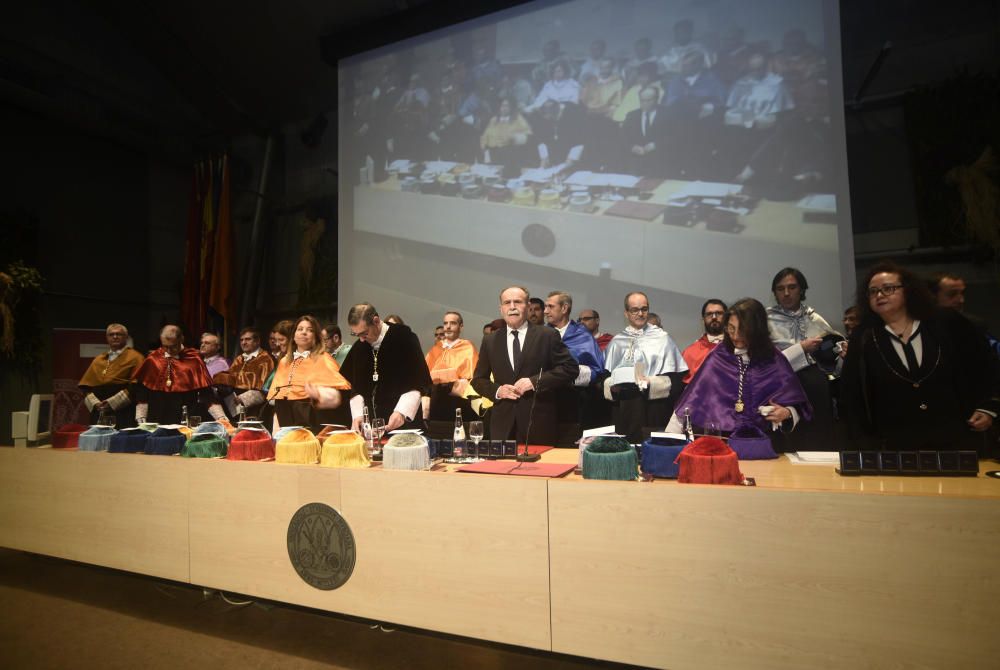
point(562, 331)
point(252, 355)
point(522, 330)
point(301, 354)
point(381, 334)
point(448, 344)
point(113, 354)
point(714, 339)
point(212, 358)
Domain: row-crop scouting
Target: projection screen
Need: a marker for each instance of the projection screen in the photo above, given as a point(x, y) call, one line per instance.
point(686, 149)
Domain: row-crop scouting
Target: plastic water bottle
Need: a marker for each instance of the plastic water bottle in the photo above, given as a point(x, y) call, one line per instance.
point(184, 416)
point(459, 437)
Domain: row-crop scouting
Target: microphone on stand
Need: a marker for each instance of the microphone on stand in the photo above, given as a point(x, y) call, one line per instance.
point(526, 457)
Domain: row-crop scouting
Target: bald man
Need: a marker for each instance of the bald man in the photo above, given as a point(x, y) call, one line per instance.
point(171, 378)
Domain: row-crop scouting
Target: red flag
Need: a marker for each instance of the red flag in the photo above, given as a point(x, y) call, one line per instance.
point(191, 313)
point(221, 297)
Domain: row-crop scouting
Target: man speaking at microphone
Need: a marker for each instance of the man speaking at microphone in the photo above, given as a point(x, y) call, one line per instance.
point(520, 365)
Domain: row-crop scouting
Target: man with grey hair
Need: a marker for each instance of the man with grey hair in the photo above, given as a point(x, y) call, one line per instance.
point(105, 384)
point(386, 370)
point(521, 366)
point(171, 379)
point(577, 405)
point(209, 351)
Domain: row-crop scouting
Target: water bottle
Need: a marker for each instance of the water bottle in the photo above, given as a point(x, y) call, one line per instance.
point(184, 416)
point(459, 437)
point(367, 432)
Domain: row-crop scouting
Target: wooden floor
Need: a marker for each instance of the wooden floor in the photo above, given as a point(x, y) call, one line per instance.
point(61, 614)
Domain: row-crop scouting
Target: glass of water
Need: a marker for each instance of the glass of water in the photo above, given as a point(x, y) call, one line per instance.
point(476, 434)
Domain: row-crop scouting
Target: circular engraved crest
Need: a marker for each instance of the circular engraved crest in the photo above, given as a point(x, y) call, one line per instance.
point(538, 240)
point(321, 546)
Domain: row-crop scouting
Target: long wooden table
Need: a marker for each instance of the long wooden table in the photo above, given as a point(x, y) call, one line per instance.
point(808, 569)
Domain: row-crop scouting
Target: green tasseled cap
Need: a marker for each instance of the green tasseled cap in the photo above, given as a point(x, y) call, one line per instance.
point(204, 445)
point(610, 457)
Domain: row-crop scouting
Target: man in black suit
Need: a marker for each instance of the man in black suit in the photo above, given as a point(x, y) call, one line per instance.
point(524, 361)
point(643, 134)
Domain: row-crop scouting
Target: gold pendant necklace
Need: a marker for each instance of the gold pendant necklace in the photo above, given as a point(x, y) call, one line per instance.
point(739, 391)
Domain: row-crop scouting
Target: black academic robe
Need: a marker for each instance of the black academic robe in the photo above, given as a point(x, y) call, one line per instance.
point(401, 368)
point(890, 407)
point(547, 362)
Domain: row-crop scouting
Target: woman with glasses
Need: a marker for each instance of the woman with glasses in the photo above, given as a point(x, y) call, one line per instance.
point(743, 381)
point(915, 377)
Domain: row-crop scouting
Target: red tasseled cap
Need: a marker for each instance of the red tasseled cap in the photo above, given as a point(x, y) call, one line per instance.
point(66, 435)
point(708, 460)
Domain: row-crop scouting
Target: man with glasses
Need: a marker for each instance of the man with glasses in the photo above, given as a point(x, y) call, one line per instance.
point(386, 370)
point(591, 320)
point(334, 343)
point(797, 330)
point(646, 371)
point(713, 313)
point(106, 381)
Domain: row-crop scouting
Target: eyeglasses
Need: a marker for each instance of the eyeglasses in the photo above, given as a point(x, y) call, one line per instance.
point(637, 310)
point(884, 289)
point(715, 314)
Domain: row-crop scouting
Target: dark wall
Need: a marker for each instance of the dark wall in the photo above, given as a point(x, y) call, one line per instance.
point(106, 242)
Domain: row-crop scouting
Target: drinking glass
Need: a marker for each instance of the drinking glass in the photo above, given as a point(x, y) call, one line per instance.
point(476, 434)
point(194, 421)
point(379, 428)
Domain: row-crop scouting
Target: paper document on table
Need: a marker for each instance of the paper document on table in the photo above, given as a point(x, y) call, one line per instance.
point(814, 457)
point(540, 174)
point(439, 166)
point(819, 202)
point(587, 178)
point(415, 431)
point(707, 189)
point(400, 165)
point(603, 430)
point(483, 170)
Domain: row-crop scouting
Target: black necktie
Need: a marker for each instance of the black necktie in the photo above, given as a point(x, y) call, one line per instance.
point(909, 353)
point(517, 350)
point(645, 122)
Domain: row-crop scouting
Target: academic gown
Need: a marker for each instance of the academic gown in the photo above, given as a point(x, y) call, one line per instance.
point(401, 368)
point(109, 380)
point(189, 386)
point(711, 397)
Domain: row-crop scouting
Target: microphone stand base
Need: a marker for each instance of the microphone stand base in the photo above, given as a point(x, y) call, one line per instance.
point(528, 458)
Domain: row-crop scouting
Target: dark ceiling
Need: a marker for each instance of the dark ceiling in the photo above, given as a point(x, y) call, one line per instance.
point(175, 76)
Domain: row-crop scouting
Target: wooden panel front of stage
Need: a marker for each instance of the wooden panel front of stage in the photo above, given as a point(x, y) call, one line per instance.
point(807, 570)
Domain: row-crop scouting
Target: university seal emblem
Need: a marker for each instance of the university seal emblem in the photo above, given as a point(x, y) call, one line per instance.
point(321, 546)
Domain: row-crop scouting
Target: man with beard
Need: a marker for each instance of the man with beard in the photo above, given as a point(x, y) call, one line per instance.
point(646, 371)
point(536, 312)
point(798, 331)
point(521, 366)
point(712, 314)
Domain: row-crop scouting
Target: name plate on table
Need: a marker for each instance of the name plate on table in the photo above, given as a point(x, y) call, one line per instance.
point(912, 463)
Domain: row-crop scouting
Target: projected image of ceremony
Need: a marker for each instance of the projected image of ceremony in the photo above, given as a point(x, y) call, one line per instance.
point(617, 140)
